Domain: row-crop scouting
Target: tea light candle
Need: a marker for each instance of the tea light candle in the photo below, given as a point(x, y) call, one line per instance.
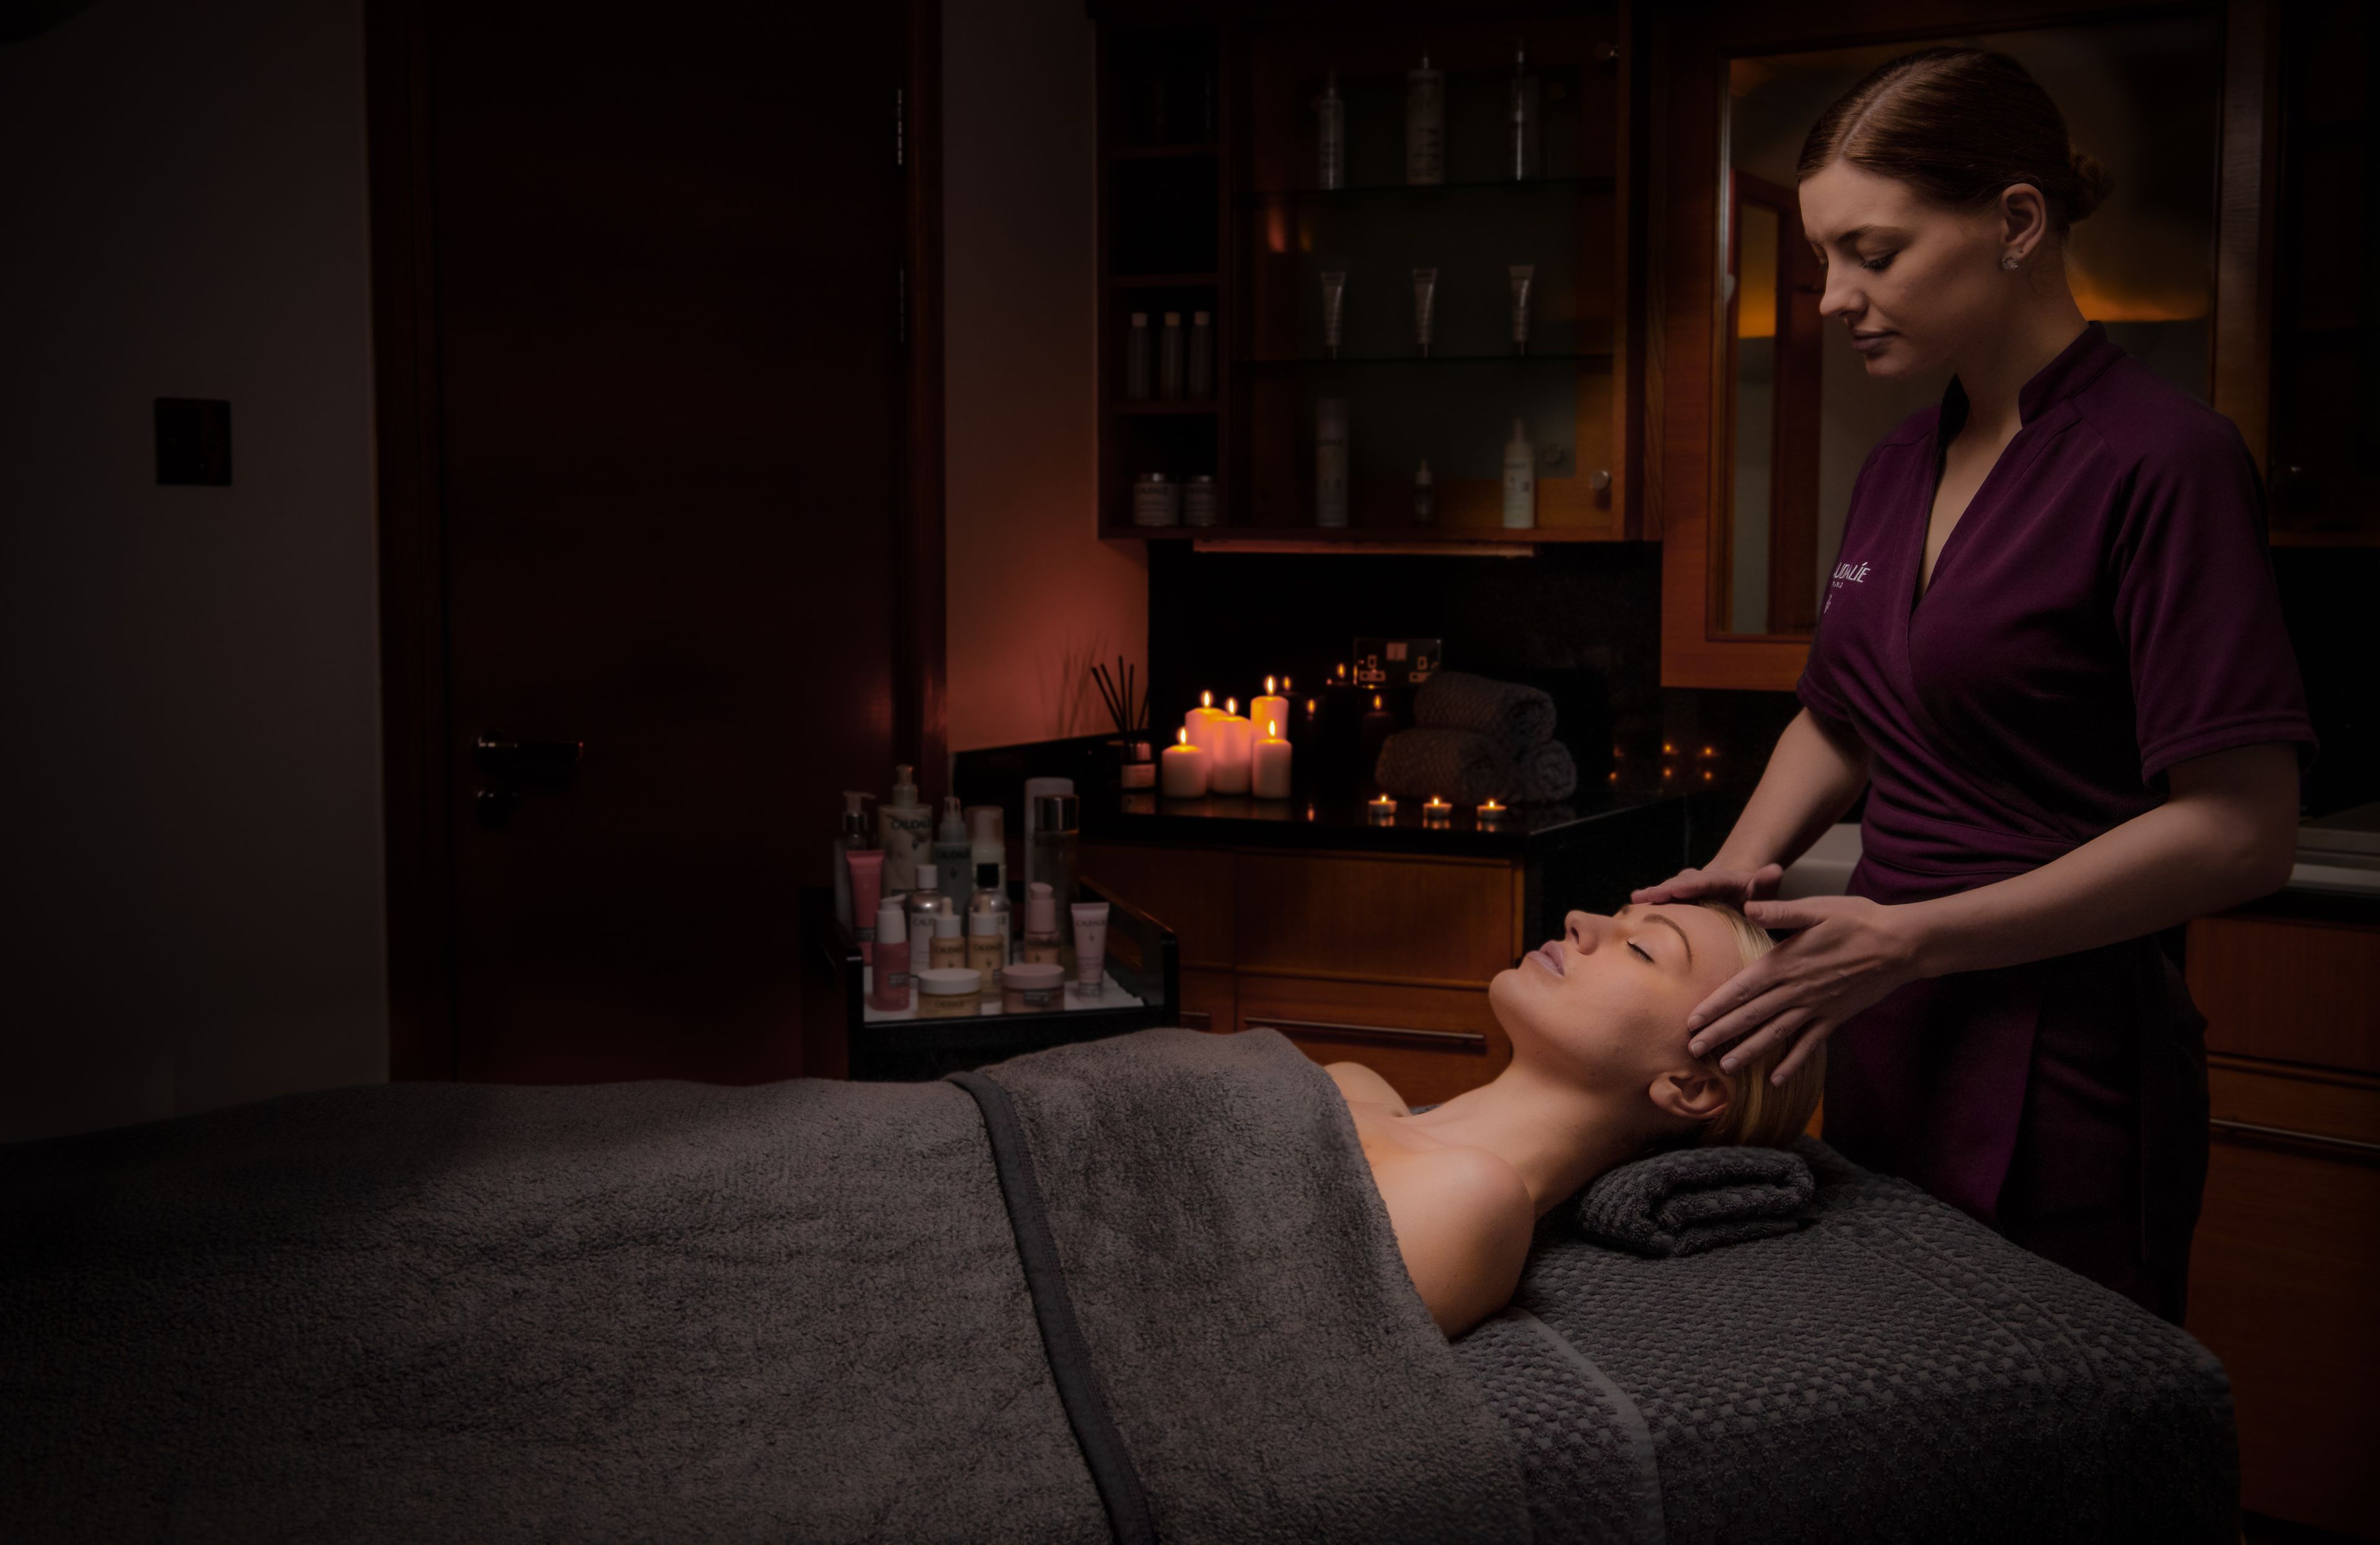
point(1228, 742)
point(1383, 810)
point(1375, 728)
point(1269, 763)
point(1438, 812)
point(1199, 720)
point(1184, 770)
point(1490, 814)
point(1270, 709)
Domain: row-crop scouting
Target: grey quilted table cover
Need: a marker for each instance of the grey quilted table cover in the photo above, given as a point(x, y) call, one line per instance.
point(1893, 1372)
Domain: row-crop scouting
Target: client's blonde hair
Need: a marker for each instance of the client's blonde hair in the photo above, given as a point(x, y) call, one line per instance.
point(1759, 1113)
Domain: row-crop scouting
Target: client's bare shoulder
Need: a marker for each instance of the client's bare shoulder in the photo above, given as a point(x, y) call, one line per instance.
point(1463, 1215)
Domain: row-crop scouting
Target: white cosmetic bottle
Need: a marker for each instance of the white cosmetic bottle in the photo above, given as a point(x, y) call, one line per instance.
point(908, 831)
point(1424, 125)
point(1520, 479)
point(1330, 134)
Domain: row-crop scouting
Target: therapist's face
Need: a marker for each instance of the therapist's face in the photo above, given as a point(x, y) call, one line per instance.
point(1917, 283)
point(1608, 1000)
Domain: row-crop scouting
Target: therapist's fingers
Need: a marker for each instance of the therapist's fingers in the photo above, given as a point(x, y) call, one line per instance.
point(1741, 1020)
point(1813, 1036)
point(1780, 1026)
point(1736, 992)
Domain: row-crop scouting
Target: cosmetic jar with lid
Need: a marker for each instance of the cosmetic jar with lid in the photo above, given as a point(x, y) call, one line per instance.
point(1155, 500)
point(1036, 988)
point(1200, 504)
point(950, 992)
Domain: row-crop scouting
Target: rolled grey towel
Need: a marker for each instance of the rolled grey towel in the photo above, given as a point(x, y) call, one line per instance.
point(1692, 1199)
point(1544, 774)
point(1451, 764)
point(1516, 717)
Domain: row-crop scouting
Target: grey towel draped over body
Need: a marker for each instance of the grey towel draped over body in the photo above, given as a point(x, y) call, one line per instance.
point(806, 1310)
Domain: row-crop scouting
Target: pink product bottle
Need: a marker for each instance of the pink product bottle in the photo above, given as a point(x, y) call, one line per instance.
point(888, 961)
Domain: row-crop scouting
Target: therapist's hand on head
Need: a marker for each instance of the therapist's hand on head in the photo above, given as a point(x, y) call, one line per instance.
point(1844, 953)
point(1731, 885)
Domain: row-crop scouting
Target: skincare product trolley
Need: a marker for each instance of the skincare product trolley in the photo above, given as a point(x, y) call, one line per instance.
point(1410, 234)
point(1139, 990)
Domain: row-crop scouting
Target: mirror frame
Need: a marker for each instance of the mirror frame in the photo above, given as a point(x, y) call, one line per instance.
point(1687, 365)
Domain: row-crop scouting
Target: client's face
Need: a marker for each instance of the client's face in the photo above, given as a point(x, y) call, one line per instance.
point(1607, 1002)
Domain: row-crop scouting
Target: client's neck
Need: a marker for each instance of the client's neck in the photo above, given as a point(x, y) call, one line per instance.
point(1557, 1135)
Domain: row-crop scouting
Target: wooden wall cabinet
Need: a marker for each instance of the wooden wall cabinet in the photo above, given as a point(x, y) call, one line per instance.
point(2285, 1272)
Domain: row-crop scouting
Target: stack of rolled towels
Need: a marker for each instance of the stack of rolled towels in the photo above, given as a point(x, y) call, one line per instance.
point(1475, 739)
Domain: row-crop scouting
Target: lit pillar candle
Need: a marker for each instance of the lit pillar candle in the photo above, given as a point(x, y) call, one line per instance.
point(1270, 709)
point(1228, 743)
point(1269, 763)
point(1197, 722)
point(1183, 771)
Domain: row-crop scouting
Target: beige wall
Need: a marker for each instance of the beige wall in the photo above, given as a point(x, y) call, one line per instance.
point(1034, 594)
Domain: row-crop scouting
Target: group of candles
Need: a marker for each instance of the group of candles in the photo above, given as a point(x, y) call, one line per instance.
point(1438, 812)
point(1219, 752)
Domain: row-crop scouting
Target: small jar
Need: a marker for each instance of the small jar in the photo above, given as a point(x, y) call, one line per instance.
point(1200, 504)
point(950, 992)
point(1155, 500)
point(1033, 989)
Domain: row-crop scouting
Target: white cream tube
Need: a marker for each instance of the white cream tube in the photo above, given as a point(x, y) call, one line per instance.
point(1090, 947)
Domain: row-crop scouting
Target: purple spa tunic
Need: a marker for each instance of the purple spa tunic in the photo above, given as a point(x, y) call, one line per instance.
point(2104, 609)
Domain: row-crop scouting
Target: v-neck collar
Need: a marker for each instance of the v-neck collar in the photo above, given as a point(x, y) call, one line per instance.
point(2079, 364)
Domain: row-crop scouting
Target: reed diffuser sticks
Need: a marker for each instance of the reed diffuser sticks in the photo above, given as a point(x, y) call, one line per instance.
point(1117, 690)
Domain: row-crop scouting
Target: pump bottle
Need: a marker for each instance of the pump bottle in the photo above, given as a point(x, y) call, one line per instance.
point(953, 852)
point(908, 831)
point(858, 834)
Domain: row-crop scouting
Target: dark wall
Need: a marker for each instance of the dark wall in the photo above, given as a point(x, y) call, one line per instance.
point(2327, 594)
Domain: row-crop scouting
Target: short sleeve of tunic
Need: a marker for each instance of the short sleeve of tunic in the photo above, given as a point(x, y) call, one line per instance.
point(1817, 689)
point(2197, 609)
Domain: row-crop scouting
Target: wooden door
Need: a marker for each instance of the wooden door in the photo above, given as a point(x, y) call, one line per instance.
point(652, 287)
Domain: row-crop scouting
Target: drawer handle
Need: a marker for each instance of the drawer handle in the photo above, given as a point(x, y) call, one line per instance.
point(2292, 1136)
point(1205, 1020)
point(1466, 1039)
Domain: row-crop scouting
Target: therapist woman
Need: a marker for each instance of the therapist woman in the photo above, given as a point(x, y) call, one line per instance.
point(2052, 652)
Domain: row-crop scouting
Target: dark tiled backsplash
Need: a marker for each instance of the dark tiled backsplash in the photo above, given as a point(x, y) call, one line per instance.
point(1584, 622)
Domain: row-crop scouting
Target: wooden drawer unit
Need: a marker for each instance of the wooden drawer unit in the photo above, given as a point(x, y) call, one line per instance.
point(2289, 990)
point(1187, 889)
point(2285, 1275)
point(1431, 1043)
point(1425, 922)
point(1210, 999)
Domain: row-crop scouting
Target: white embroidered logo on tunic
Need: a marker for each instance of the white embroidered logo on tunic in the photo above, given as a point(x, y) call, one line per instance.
point(1854, 573)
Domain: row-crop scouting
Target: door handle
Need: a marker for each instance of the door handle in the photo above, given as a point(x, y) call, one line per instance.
point(510, 768)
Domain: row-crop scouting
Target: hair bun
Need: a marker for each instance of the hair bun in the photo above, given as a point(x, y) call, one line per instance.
point(2091, 185)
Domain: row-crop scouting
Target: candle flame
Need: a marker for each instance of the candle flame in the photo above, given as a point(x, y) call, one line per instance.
point(1376, 699)
point(1268, 686)
point(1272, 729)
point(1182, 736)
point(1309, 706)
point(1231, 705)
point(1342, 670)
point(1285, 684)
point(1205, 699)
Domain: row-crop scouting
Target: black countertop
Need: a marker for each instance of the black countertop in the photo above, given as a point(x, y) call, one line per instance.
point(1524, 832)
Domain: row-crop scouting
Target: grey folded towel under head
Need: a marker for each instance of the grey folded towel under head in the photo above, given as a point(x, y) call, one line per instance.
point(1516, 717)
point(1460, 765)
point(1692, 1199)
point(1544, 774)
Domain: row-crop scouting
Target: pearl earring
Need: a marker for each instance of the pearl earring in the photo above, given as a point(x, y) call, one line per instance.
point(2009, 263)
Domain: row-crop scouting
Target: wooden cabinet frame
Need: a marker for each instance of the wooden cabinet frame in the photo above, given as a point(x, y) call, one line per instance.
point(1685, 370)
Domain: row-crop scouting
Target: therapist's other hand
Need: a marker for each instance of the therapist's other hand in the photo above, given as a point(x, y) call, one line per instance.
point(1735, 886)
point(1845, 953)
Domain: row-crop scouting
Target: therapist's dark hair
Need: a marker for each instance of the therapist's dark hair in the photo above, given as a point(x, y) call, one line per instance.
point(1959, 125)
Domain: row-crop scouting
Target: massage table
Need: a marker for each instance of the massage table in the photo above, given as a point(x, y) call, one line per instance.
point(1137, 1289)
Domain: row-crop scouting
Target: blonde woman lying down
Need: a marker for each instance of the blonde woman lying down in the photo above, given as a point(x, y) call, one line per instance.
point(1600, 1075)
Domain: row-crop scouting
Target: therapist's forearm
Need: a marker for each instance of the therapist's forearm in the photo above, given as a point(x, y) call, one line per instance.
point(2181, 861)
point(1812, 778)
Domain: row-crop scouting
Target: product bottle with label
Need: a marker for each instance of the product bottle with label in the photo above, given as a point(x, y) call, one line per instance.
point(1043, 943)
point(908, 833)
point(987, 923)
point(950, 946)
point(987, 839)
point(858, 833)
point(924, 907)
point(953, 852)
point(1424, 125)
point(1520, 479)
